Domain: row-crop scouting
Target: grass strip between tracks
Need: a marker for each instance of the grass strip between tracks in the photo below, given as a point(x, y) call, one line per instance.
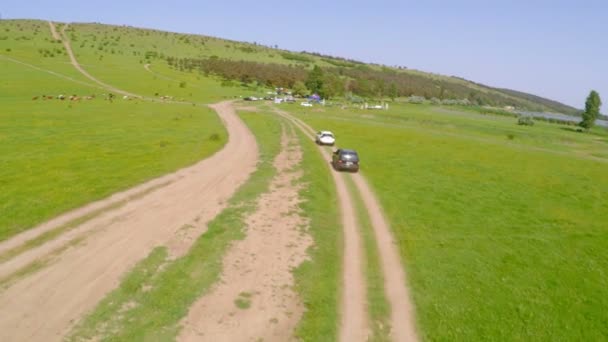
point(318, 279)
point(377, 303)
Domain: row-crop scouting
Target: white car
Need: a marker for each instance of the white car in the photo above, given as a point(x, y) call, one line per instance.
point(325, 138)
point(306, 104)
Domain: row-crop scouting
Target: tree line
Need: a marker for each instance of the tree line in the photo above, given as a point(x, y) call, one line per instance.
point(360, 80)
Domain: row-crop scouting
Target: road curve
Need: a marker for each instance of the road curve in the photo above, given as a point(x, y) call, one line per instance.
point(44, 305)
point(81, 266)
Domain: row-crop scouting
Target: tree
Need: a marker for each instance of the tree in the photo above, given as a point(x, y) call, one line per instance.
point(392, 91)
point(332, 86)
point(592, 110)
point(314, 83)
point(300, 89)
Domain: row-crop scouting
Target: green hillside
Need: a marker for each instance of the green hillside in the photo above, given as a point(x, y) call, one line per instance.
point(121, 52)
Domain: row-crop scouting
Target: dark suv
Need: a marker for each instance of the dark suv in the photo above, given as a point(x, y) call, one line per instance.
point(343, 159)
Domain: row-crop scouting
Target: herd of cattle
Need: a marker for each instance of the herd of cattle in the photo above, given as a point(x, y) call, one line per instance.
point(64, 97)
point(108, 97)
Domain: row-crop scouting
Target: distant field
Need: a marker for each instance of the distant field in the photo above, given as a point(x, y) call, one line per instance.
point(57, 155)
point(503, 227)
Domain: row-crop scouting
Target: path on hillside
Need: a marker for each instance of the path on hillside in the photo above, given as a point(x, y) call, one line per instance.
point(395, 282)
point(44, 305)
point(167, 78)
point(257, 269)
point(68, 47)
point(51, 72)
point(54, 32)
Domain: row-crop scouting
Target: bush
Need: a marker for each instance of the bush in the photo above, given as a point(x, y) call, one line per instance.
point(525, 121)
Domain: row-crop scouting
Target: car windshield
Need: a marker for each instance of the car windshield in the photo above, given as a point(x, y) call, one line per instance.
point(350, 156)
point(327, 135)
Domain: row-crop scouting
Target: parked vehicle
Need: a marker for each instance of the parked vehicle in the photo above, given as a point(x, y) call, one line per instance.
point(325, 138)
point(343, 159)
point(306, 104)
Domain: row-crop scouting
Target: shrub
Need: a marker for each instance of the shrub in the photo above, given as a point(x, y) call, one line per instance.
point(525, 121)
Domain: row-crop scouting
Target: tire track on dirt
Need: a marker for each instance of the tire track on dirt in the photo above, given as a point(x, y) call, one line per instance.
point(44, 305)
point(256, 271)
point(395, 281)
point(354, 325)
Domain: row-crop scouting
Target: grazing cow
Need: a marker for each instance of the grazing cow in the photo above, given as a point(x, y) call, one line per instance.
point(61, 97)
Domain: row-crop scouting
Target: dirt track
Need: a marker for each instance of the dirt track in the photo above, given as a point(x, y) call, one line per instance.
point(42, 306)
point(258, 268)
point(395, 285)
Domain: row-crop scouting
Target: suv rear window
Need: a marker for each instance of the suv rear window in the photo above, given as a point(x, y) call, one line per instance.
point(350, 156)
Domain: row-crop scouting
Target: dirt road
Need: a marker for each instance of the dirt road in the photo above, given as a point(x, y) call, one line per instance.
point(83, 265)
point(354, 324)
point(44, 305)
point(395, 285)
point(257, 269)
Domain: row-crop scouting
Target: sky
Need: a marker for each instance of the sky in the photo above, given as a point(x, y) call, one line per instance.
point(556, 49)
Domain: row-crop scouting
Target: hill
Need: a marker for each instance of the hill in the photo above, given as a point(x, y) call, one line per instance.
point(240, 64)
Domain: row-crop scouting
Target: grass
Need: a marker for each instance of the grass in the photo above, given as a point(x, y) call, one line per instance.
point(501, 226)
point(377, 304)
point(318, 280)
point(57, 156)
point(59, 230)
point(503, 239)
point(158, 300)
point(243, 301)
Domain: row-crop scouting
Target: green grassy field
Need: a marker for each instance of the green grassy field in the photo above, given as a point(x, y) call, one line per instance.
point(57, 155)
point(502, 227)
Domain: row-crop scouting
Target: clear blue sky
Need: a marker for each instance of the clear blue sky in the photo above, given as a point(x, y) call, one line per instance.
point(556, 49)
